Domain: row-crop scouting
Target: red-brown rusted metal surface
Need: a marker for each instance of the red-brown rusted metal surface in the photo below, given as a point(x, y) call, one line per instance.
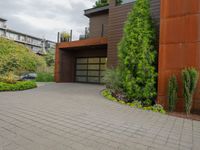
point(179, 45)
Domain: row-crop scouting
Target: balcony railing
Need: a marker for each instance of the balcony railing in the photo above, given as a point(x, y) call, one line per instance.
point(67, 36)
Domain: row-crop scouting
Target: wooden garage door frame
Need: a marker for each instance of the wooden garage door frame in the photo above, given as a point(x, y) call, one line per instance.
point(102, 62)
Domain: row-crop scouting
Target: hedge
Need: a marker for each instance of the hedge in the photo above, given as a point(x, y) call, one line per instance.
point(19, 86)
point(45, 77)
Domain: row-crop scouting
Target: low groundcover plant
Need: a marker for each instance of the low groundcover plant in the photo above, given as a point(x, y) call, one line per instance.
point(136, 104)
point(18, 86)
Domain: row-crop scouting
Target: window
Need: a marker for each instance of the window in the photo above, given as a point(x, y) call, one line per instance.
point(22, 38)
point(12, 36)
point(1, 32)
point(121, 2)
point(36, 42)
point(2, 24)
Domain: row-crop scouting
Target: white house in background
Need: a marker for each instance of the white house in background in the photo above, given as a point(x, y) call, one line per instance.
point(37, 45)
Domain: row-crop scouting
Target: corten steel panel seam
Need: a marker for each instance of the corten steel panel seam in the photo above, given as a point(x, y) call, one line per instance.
point(83, 43)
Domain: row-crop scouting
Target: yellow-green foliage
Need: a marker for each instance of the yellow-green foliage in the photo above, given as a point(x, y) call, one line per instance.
point(18, 86)
point(9, 78)
point(135, 104)
point(18, 59)
point(190, 79)
point(172, 93)
point(137, 54)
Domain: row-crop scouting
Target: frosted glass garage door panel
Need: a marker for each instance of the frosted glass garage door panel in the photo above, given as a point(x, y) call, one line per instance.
point(93, 67)
point(81, 67)
point(81, 60)
point(81, 79)
point(81, 73)
point(93, 73)
point(93, 60)
point(93, 79)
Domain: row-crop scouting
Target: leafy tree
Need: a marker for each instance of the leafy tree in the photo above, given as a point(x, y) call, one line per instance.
point(101, 3)
point(137, 53)
point(18, 59)
point(50, 58)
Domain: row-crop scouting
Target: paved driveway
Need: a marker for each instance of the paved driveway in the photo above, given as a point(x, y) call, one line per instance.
point(75, 116)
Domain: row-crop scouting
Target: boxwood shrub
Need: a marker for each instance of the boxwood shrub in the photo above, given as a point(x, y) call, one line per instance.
point(19, 86)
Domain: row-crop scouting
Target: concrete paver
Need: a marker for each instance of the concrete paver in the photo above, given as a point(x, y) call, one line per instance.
point(75, 116)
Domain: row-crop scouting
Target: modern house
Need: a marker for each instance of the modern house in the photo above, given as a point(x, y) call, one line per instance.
point(37, 45)
point(178, 27)
point(86, 60)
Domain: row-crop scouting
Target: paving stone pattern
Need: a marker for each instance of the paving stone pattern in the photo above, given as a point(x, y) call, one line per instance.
point(76, 117)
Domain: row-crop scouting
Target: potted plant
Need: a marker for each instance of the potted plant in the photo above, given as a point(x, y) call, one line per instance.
point(65, 37)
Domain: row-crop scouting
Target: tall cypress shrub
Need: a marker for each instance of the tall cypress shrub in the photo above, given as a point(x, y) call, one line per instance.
point(137, 53)
point(172, 93)
point(190, 80)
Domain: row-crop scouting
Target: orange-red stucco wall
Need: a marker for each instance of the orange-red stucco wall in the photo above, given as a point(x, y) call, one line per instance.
point(179, 45)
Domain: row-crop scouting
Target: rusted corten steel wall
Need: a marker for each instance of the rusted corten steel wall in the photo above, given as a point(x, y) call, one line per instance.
point(117, 17)
point(179, 45)
point(96, 22)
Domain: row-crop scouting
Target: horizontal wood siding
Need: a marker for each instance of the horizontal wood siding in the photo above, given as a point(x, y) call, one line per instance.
point(155, 10)
point(117, 18)
point(96, 23)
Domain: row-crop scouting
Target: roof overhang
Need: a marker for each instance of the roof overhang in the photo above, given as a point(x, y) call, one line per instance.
point(95, 11)
point(4, 20)
point(83, 43)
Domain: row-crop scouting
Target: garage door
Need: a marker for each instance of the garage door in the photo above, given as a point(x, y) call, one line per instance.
point(90, 70)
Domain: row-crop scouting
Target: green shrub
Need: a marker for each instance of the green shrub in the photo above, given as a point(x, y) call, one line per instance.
point(18, 59)
point(50, 58)
point(172, 93)
point(112, 78)
point(65, 37)
point(137, 54)
point(107, 94)
point(156, 108)
point(101, 3)
point(45, 77)
point(18, 86)
point(147, 102)
point(190, 78)
point(135, 104)
point(9, 78)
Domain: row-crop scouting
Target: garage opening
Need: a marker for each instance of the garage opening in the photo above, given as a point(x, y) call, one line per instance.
point(90, 69)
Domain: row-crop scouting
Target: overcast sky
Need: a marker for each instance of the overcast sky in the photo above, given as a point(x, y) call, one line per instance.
point(44, 18)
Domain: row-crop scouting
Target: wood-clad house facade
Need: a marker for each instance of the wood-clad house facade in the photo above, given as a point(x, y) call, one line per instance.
point(106, 24)
point(178, 26)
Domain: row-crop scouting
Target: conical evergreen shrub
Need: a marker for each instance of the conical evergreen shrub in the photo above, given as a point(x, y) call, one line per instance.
point(172, 93)
point(190, 79)
point(137, 53)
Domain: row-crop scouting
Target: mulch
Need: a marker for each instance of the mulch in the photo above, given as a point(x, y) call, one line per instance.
point(183, 115)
